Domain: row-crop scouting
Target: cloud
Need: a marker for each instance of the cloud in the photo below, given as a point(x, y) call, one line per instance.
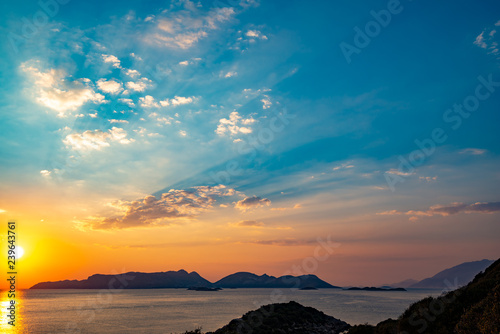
point(252, 202)
point(109, 86)
point(148, 102)
point(343, 166)
point(184, 63)
point(228, 74)
point(45, 173)
point(255, 34)
point(266, 102)
point(151, 211)
point(128, 102)
point(473, 151)
point(233, 126)
point(115, 62)
point(96, 140)
point(54, 92)
point(487, 40)
point(398, 172)
point(177, 101)
point(428, 178)
point(447, 210)
point(121, 121)
point(132, 73)
point(184, 28)
point(249, 223)
point(480, 41)
point(287, 242)
point(140, 85)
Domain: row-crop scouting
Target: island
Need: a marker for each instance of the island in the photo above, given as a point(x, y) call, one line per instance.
point(371, 288)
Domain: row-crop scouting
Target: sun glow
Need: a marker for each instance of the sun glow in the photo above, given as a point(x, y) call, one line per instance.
point(19, 252)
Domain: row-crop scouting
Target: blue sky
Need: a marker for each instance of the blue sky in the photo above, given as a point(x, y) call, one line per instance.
point(109, 103)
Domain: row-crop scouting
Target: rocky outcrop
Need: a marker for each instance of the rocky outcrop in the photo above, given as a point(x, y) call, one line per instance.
point(289, 318)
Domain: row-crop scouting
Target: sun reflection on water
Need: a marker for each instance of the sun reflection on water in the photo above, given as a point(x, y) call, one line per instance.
point(5, 313)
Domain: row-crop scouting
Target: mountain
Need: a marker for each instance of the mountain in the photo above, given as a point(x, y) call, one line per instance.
point(403, 284)
point(457, 276)
point(249, 280)
point(471, 309)
point(291, 318)
point(183, 279)
point(132, 280)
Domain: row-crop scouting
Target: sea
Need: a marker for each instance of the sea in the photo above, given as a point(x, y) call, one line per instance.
point(168, 311)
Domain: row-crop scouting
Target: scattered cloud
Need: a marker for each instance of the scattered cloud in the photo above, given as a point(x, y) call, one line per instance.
point(255, 34)
point(140, 85)
point(115, 62)
point(252, 202)
point(151, 211)
point(487, 40)
point(480, 41)
point(109, 86)
point(234, 125)
point(96, 140)
point(428, 178)
point(398, 172)
point(132, 73)
point(447, 210)
point(266, 102)
point(148, 102)
point(55, 92)
point(343, 166)
point(183, 29)
point(177, 101)
point(128, 102)
point(228, 74)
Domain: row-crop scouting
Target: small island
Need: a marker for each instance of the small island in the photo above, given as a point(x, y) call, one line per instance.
point(371, 288)
point(203, 288)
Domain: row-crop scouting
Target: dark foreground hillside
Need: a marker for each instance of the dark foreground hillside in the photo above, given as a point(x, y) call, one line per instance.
point(472, 309)
point(291, 318)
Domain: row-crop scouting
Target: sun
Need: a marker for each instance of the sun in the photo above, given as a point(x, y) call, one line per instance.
point(19, 252)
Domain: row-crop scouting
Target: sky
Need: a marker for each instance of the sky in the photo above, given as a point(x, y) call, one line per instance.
point(357, 141)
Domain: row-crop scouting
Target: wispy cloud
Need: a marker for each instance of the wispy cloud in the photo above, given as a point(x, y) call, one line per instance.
point(447, 210)
point(182, 29)
point(96, 140)
point(473, 151)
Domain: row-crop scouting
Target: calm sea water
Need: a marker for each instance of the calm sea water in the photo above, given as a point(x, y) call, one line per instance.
point(176, 310)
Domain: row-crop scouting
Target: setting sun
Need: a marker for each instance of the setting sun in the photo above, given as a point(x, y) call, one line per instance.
point(19, 252)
